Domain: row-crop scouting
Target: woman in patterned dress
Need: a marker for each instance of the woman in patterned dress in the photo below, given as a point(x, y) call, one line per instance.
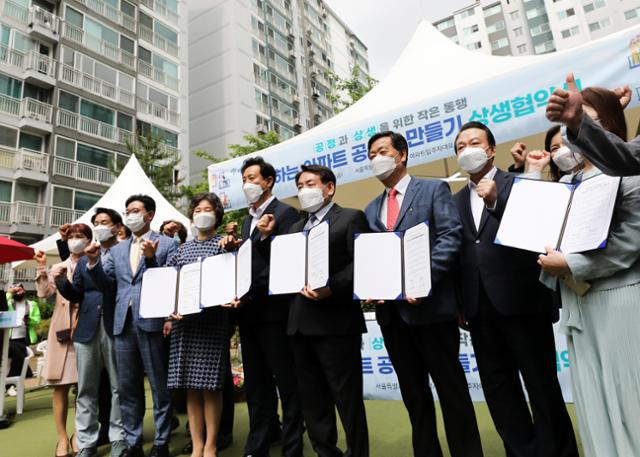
point(199, 354)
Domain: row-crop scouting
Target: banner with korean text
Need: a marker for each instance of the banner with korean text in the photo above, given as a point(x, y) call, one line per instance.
point(512, 104)
point(381, 382)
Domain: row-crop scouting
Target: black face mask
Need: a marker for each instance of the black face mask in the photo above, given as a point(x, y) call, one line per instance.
point(18, 297)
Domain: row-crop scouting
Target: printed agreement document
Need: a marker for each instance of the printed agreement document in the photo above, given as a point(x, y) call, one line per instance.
point(569, 217)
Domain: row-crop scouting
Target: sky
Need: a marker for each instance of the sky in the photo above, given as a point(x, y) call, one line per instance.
point(385, 26)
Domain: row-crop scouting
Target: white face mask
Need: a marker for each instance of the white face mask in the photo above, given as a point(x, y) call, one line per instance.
point(567, 160)
point(103, 233)
point(252, 192)
point(134, 221)
point(472, 159)
point(311, 199)
point(383, 166)
point(204, 221)
point(77, 245)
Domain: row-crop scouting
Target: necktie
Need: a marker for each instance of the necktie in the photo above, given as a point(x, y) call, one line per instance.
point(393, 209)
point(311, 222)
point(134, 255)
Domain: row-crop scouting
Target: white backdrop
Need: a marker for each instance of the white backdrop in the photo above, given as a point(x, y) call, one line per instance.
point(381, 383)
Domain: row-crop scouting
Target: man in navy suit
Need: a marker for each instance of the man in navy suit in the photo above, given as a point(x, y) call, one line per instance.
point(93, 342)
point(422, 335)
point(266, 350)
point(508, 311)
point(139, 344)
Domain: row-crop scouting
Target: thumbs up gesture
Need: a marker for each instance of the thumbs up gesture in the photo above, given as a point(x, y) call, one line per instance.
point(565, 106)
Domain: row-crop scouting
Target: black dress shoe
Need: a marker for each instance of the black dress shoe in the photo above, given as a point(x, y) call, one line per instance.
point(161, 450)
point(133, 451)
point(175, 422)
point(188, 449)
point(224, 441)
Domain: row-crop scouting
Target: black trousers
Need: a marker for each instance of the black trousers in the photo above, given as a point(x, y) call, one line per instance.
point(507, 347)
point(329, 370)
point(17, 354)
point(268, 363)
point(420, 351)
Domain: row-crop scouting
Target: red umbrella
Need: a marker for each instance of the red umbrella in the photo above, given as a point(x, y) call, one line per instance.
point(11, 250)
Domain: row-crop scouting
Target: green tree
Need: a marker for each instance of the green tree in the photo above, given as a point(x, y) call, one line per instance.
point(158, 163)
point(253, 143)
point(345, 92)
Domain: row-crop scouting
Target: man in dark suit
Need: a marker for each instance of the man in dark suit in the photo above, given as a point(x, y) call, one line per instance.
point(422, 335)
point(139, 343)
point(326, 324)
point(267, 358)
point(93, 342)
point(508, 311)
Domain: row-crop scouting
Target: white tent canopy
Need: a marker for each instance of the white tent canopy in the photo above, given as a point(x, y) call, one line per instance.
point(132, 180)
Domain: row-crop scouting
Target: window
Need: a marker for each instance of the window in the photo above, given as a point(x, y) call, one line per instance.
point(522, 48)
point(169, 138)
point(468, 13)
point(62, 197)
point(594, 5)
point(566, 13)
point(73, 17)
point(547, 46)
point(27, 193)
point(496, 27)
point(8, 136)
point(73, 199)
point(445, 24)
point(517, 31)
point(514, 15)
point(11, 87)
point(65, 148)
point(472, 29)
point(495, 9)
point(573, 31)
point(501, 43)
point(631, 14)
point(94, 156)
point(539, 30)
point(474, 46)
point(5, 191)
point(97, 112)
point(32, 142)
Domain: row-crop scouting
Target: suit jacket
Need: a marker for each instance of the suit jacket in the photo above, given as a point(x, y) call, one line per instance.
point(510, 277)
point(116, 272)
point(426, 200)
point(262, 307)
point(92, 302)
point(607, 151)
point(338, 314)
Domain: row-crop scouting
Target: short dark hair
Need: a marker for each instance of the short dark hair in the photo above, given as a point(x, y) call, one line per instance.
point(398, 141)
point(476, 125)
point(212, 198)
point(554, 171)
point(115, 217)
point(325, 173)
point(266, 169)
point(148, 202)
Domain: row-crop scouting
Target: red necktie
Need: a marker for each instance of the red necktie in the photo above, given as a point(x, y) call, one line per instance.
point(393, 209)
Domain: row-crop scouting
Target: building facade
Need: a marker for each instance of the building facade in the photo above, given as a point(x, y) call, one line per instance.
point(78, 80)
point(517, 27)
point(259, 65)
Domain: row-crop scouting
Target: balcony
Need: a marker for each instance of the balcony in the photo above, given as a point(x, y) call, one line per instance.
point(158, 41)
point(157, 74)
point(284, 70)
point(111, 13)
point(82, 172)
point(278, 5)
point(260, 57)
point(283, 117)
point(12, 58)
point(27, 213)
point(282, 48)
point(96, 86)
point(92, 127)
point(158, 111)
point(15, 11)
point(61, 216)
point(160, 8)
point(36, 116)
point(43, 25)
point(26, 164)
point(259, 33)
point(263, 107)
point(23, 275)
point(285, 95)
point(98, 45)
point(261, 82)
point(40, 70)
point(282, 28)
